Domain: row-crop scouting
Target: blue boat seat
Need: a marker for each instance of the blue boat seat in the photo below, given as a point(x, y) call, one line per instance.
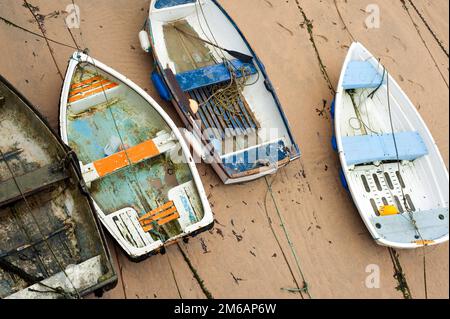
point(213, 74)
point(372, 148)
point(361, 75)
point(268, 154)
point(161, 4)
point(433, 224)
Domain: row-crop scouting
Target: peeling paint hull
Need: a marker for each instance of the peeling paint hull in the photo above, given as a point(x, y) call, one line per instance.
point(48, 227)
point(138, 169)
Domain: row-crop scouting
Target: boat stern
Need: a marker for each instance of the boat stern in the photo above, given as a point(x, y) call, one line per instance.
point(412, 230)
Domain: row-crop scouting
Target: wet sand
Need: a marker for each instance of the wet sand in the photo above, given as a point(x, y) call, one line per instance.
point(302, 44)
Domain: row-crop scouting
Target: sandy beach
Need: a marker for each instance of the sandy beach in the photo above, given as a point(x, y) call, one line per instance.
point(303, 44)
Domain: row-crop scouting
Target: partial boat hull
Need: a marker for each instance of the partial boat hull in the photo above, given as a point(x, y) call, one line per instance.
point(51, 245)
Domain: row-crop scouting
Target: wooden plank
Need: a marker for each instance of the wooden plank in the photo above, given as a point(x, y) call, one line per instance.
point(159, 216)
point(87, 94)
point(30, 183)
point(162, 222)
point(213, 74)
point(157, 210)
point(177, 92)
point(94, 85)
point(85, 82)
point(121, 159)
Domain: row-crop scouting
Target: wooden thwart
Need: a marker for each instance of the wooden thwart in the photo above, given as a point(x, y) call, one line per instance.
point(30, 183)
point(122, 159)
point(178, 94)
point(89, 87)
point(85, 82)
point(161, 216)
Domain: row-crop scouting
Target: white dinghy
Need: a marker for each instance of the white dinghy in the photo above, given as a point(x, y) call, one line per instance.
point(145, 186)
point(219, 88)
point(390, 162)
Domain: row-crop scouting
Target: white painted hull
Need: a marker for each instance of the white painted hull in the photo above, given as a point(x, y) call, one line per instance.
point(425, 180)
point(263, 103)
point(151, 246)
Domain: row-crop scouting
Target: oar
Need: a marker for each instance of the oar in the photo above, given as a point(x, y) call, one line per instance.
point(238, 55)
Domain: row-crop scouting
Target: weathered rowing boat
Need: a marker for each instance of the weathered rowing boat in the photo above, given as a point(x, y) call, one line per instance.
point(219, 88)
point(390, 162)
point(144, 183)
point(50, 243)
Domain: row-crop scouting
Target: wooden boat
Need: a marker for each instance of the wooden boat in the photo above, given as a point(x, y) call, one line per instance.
point(390, 162)
point(145, 186)
point(220, 89)
point(50, 242)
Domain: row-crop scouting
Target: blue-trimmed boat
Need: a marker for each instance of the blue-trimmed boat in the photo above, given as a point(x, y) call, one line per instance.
point(390, 162)
point(220, 89)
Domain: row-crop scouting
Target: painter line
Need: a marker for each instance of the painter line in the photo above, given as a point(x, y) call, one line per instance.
point(423, 41)
point(298, 289)
point(343, 21)
point(174, 277)
point(194, 271)
point(439, 42)
point(305, 288)
point(46, 40)
point(120, 272)
point(399, 275)
point(322, 66)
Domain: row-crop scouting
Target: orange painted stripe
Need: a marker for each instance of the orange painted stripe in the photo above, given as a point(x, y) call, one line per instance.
point(90, 80)
point(168, 219)
point(159, 216)
point(424, 242)
point(111, 163)
point(162, 222)
point(157, 210)
point(90, 87)
point(82, 96)
point(142, 151)
point(119, 160)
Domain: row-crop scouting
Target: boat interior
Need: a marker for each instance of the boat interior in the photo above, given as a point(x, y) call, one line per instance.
point(391, 177)
point(132, 161)
point(237, 112)
point(46, 224)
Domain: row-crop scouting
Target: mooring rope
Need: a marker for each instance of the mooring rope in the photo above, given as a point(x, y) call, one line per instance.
point(305, 287)
point(46, 40)
point(408, 208)
point(12, 24)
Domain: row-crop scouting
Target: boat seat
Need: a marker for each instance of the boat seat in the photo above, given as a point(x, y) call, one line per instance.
point(161, 4)
point(223, 122)
point(374, 148)
point(159, 216)
point(30, 183)
point(399, 228)
point(256, 157)
point(94, 85)
point(213, 74)
point(136, 154)
point(361, 75)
